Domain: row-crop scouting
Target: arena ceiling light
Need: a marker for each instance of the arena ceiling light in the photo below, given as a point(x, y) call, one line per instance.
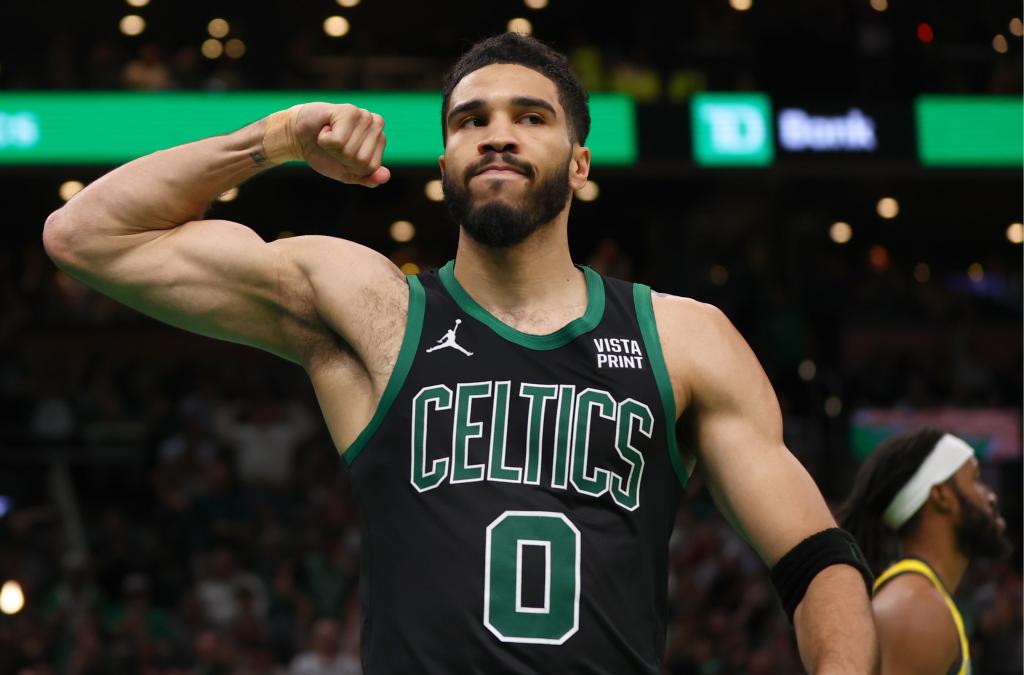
point(212, 48)
point(840, 232)
point(976, 272)
point(589, 192)
point(520, 25)
point(12, 598)
point(336, 26)
point(888, 207)
point(69, 189)
point(434, 190)
point(228, 195)
point(218, 28)
point(132, 25)
point(402, 231)
point(234, 48)
point(1015, 233)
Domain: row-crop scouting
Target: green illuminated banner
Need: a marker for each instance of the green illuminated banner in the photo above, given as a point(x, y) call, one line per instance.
point(110, 128)
point(732, 129)
point(970, 130)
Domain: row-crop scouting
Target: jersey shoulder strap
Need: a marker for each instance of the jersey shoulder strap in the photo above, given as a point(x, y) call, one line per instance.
point(913, 566)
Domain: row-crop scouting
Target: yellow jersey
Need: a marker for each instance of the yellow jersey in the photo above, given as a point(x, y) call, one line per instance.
point(915, 566)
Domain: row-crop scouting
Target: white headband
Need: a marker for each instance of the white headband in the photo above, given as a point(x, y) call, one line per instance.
point(946, 458)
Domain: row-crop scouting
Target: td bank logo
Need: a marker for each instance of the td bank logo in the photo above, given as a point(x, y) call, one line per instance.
point(732, 130)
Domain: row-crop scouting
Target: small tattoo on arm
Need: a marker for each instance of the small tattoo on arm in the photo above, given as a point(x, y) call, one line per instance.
point(258, 157)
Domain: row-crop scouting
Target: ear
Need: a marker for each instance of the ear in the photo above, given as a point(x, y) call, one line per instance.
point(440, 162)
point(579, 167)
point(943, 496)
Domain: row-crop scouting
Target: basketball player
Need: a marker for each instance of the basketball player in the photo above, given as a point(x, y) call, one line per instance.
point(925, 489)
point(509, 419)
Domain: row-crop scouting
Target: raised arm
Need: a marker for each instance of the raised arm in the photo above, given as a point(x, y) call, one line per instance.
point(756, 482)
point(136, 235)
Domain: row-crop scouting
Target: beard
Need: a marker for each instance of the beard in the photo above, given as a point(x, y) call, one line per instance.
point(977, 533)
point(497, 223)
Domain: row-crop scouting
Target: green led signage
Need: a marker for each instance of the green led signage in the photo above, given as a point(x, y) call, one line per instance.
point(732, 130)
point(110, 128)
point(970, 130)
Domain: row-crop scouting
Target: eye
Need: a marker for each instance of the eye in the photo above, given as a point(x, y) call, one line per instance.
point(533, 118)
point(471, 122)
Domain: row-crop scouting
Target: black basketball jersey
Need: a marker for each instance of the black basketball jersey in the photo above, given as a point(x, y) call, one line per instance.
point(517, 492)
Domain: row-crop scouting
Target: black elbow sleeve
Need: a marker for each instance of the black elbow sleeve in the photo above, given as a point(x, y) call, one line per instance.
point(793, 573)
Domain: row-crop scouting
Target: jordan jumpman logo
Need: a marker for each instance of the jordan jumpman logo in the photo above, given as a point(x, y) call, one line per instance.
point(449, 341)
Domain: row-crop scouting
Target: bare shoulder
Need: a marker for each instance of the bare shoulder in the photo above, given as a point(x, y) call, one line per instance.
point(703, 350)
point(685, 319)
point(915, 628)
point(359, 295)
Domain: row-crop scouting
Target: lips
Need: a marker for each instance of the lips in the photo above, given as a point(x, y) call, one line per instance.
point(499, 169)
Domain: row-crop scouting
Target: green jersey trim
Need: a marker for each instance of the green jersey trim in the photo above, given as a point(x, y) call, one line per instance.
point(410, 341)
point(649, 331)
point(561, 337)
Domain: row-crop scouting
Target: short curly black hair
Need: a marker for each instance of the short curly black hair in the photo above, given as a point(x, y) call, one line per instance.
point(529, 52)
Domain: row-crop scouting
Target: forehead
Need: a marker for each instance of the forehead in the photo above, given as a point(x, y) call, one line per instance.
point(502, 82)
point(968, 470)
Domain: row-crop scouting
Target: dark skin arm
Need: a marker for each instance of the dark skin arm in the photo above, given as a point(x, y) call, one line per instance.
point(915, 629)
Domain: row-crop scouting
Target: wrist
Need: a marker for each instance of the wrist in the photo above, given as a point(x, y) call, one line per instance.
point(279, 142)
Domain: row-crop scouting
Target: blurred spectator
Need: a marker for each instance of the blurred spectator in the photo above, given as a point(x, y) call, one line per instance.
point(139, 631)
point(219, 512)
point(229, 594)
point(147, 71)
point(325, 656)
point(75, 597)
point(265, 433)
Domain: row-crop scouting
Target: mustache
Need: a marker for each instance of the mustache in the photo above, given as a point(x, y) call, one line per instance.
point(506, 158)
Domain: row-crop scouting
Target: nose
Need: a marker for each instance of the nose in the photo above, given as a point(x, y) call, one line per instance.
point(499, 138)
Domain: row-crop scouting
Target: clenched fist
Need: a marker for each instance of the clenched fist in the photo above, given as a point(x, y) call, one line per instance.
point(340, 141)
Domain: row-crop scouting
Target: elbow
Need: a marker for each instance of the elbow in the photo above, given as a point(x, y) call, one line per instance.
point(53, 236)
point(57, 239)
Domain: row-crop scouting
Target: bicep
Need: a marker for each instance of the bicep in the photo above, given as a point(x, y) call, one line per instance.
point(736, 428)
point(212, 277)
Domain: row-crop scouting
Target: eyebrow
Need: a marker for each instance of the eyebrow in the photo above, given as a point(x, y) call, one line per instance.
point(518, 102)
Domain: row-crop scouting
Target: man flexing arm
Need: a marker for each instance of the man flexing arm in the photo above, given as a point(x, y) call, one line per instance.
point(732, 413)
point(136, 235)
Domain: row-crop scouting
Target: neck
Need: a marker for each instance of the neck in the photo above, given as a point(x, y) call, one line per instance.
point(935, 543)
point(536, 273)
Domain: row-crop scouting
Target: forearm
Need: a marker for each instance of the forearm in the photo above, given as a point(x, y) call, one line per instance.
point(168, 187)
point(834, 627)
